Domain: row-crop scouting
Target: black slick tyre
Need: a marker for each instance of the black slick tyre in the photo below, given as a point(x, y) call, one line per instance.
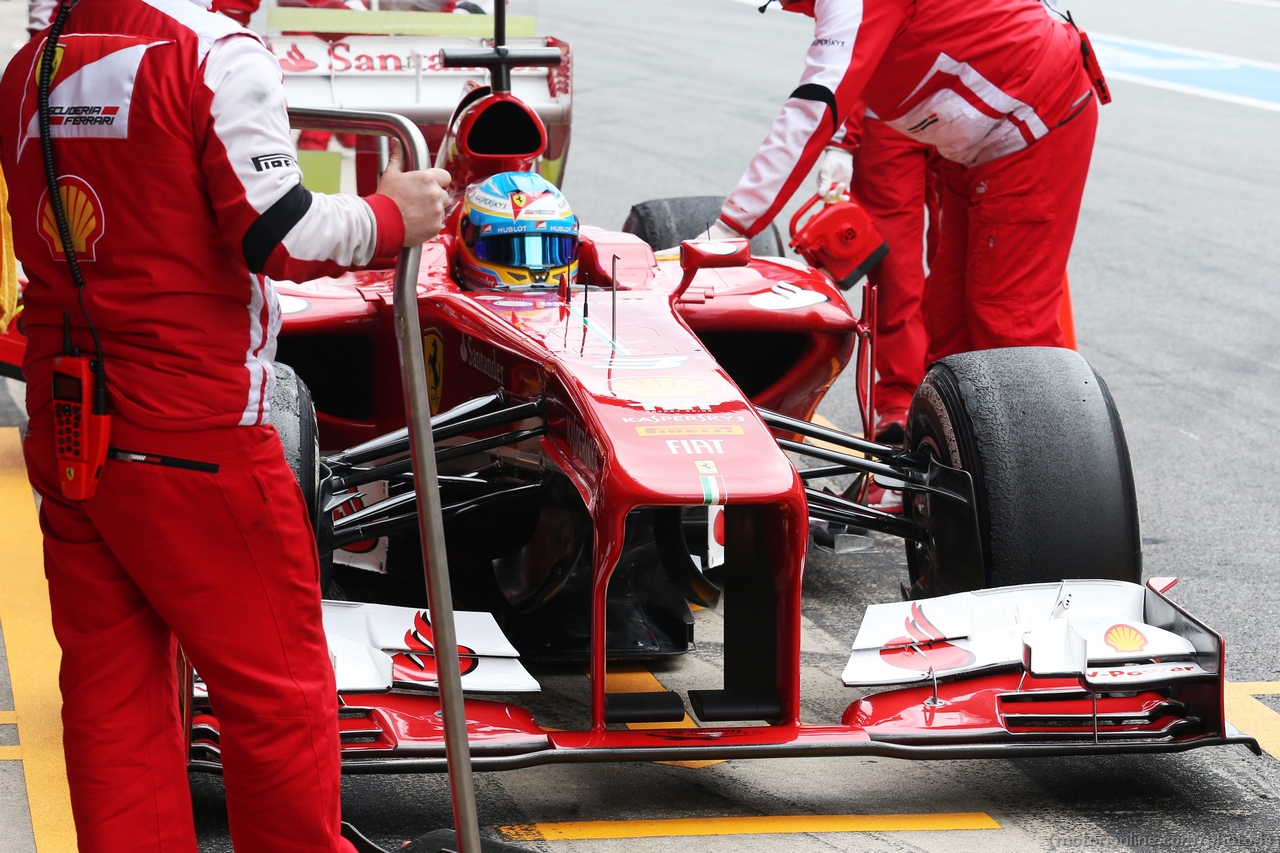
point(294, 417)
point(1037, 430)
point(664, 222)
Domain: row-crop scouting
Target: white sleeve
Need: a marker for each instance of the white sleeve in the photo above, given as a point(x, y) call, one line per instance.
point(251, 164)
point(40, 15)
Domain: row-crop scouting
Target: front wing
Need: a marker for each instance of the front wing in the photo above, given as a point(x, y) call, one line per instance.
point(1045, 702)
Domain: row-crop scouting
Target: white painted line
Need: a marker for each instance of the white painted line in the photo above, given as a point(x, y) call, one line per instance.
point(1193, 90)
point(1232, 79)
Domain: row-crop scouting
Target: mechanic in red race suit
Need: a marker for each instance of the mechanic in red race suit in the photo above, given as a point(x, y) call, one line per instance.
point(183, 198)
point(891, 176)
point(999, 89)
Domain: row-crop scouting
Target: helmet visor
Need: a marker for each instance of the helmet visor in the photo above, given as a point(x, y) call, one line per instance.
point(528, 251)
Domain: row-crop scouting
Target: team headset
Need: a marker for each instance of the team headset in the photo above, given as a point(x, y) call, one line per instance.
point(82, 438)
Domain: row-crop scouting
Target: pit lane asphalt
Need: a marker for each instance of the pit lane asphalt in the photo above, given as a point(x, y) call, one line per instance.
point(1174, 281)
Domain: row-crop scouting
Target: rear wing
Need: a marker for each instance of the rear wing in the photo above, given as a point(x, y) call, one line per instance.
point(389, 61)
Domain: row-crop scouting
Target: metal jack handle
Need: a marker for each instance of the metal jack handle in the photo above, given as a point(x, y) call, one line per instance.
point(418, 412)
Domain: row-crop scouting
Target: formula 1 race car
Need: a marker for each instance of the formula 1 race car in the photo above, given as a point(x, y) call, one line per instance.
point(619, 445)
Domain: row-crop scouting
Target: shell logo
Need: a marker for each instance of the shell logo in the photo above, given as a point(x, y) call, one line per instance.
point(1125, 638)
point(659, 387)
point(84, 219)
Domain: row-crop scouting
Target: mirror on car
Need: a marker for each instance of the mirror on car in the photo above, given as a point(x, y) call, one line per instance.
point(710, 254)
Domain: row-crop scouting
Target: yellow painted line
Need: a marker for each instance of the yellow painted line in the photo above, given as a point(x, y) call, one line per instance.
point(823, 422)
point(635, 678)
point(33, 655)
point(8, 718)
point(1253, 717)
point(10, 753)
point(1257, 688)
point(778, 825)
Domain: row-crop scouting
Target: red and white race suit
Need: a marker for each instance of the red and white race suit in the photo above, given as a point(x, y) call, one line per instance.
point(183, 196)
point(40, 15)
point(976, 79)
point(189, 203)
point(998, 89)
point(895, 183)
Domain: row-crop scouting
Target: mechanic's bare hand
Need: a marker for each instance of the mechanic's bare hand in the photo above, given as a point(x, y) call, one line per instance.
point(420, 195)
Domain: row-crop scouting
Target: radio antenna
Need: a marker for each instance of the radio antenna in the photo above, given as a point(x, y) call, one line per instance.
point(613, 277)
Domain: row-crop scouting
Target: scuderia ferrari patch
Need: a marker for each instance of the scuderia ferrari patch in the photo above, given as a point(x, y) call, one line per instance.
point(92, 90)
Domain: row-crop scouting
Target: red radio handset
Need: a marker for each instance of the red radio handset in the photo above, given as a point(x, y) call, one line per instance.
point(81, 421)
point(82, 433)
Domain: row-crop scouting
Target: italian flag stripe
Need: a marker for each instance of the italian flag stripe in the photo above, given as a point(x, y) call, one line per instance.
point(713, 490)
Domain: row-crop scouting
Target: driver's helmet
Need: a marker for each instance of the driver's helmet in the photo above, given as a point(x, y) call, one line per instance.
point(516, 230)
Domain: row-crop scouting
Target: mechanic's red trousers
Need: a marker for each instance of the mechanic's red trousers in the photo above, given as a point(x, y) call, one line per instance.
point(891, 182)
point(1007, 228)
point(225, 564)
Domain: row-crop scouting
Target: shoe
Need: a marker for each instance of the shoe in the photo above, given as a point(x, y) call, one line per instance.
point(358, 842)
point(893, 434)
point(885, 500)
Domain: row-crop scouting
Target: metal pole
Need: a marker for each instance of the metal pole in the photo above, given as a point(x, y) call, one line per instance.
point(421, 447)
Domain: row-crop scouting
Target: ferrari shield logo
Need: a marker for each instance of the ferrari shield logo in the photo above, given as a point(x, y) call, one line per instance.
point(521, 200)
point(433, 353)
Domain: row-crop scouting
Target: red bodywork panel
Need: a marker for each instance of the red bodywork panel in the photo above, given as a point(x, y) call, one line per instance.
point(639, 415)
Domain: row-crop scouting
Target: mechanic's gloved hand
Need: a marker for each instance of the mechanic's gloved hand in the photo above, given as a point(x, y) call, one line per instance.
point(715, 231)
point(718, 230)
point(835, 174)
point(420, 195)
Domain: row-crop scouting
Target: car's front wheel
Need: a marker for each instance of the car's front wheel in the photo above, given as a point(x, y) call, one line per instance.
point(1037, 430)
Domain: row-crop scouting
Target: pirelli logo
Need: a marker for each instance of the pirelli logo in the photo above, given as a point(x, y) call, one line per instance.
point(83, 115)
point(263, 162)
point(690, 429)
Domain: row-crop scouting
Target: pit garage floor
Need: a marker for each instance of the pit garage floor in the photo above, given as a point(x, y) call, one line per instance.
point(1174, 278)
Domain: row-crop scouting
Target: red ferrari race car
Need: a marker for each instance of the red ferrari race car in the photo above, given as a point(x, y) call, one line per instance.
point(632, 436)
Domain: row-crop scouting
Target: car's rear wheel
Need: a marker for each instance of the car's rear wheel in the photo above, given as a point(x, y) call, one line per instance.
point(664, 222)
point(1038, 431)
